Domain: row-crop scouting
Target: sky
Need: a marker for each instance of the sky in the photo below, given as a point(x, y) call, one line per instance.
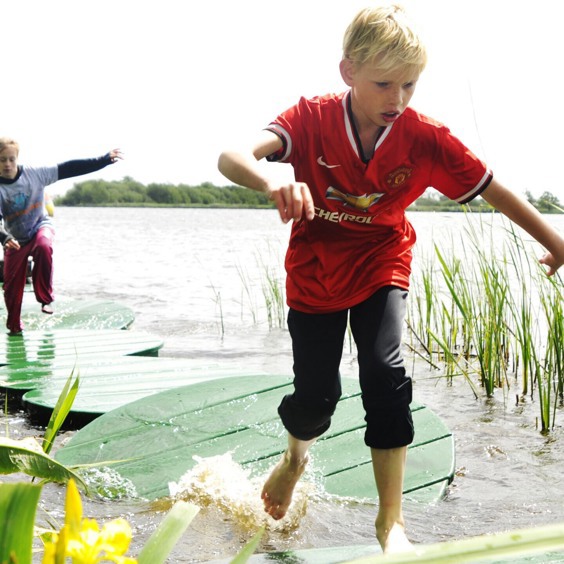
point(174, 82)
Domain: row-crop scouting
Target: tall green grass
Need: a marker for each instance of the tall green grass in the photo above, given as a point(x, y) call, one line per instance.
point(486, 310)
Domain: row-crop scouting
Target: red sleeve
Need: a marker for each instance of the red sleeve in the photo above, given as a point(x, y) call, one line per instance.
point(457, 172)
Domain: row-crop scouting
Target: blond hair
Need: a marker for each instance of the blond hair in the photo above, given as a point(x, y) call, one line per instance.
point(8, 142)
point(383, 35)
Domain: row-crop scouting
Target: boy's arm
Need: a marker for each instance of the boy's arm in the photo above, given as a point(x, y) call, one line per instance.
point(241, 167)
point(79, 167)
point(531, 220)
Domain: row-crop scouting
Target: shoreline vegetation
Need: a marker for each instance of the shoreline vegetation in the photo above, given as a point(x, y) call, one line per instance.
point(130, 193)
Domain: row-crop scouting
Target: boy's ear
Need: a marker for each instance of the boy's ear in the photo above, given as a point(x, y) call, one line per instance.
point(346, 66)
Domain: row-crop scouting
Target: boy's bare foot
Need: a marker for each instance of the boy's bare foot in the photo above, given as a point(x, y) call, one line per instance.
point(47, 308)
point(393, 539)
point(279, 487)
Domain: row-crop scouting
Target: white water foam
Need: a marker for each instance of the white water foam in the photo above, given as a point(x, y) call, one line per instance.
point(220, 481)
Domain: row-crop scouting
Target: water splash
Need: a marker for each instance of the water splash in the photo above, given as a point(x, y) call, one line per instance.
point(220, 481)
point(108, 483)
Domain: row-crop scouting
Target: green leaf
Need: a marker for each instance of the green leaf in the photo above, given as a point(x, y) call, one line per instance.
point(27, 456)
point(249, 549)
point(18, 504)
point(60, 411)
point(167, 534)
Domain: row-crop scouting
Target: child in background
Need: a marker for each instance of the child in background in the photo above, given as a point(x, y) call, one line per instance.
point(27, 229)
point(360, 158)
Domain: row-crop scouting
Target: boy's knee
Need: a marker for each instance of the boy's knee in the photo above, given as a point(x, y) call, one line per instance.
point(389, 423)
point(389, 430)
point(306, 422)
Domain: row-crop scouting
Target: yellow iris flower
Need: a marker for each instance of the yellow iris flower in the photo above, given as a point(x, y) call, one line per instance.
point(83, 541)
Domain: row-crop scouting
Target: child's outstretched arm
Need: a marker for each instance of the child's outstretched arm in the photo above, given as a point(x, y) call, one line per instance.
point(292, 200)
point(78, 167)
point(531, 220)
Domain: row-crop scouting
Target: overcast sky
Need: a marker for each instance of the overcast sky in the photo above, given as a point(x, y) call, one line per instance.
point(174, 82)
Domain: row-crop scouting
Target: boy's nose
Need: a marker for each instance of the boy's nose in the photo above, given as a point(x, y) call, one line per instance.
point(395, 96)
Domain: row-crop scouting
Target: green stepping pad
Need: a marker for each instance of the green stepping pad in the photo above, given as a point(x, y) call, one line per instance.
point(105, 383)
point(47, 346)
point(157, 437)
point(73, 314)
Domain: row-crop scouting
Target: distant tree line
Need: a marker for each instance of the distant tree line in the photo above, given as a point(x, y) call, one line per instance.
point(547, 203)
point(434, 201)
point(129, 192)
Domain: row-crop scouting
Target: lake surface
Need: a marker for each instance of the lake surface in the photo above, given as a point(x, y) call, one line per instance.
point(197, 279)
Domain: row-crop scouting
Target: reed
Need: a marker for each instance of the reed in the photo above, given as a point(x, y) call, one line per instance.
point(550, 385)
point(245, 281)
point(217, 298)
point(273, 292)
point(492, 315)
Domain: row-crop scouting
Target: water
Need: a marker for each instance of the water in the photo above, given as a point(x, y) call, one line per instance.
point(195, 278)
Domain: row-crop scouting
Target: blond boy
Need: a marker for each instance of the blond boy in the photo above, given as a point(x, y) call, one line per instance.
point(360, 158)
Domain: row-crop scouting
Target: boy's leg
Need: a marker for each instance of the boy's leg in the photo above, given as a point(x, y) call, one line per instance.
point(386, 392)
point(317, 344)
point(279, 487)
point(389, 470)
point(15, 274)
point(42, 274)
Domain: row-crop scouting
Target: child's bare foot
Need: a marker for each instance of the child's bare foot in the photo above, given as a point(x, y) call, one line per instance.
point(279, 487)
point(393, 539)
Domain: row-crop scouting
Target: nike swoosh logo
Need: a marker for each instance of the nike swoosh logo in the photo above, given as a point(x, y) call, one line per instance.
point(323, 163)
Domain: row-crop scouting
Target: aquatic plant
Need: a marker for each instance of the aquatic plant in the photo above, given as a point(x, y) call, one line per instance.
point(247, 291)
point(61, 410)
point(492, 314)
point(28, 457)
point(273, 293)
point(80, 539)
point(18, 504)
point(217, 295)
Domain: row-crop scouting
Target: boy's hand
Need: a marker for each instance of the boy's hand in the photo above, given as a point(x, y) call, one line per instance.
point(293, 201)
point(552, 263)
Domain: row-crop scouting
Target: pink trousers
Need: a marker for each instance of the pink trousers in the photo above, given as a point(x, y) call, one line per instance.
point(40, 248)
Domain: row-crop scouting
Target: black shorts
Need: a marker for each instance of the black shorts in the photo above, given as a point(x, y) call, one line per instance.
point(317, 343)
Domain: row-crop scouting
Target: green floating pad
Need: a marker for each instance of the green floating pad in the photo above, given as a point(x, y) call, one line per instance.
point(46, 346)
point(157, 437)
point(74, 314)
point(105, 383)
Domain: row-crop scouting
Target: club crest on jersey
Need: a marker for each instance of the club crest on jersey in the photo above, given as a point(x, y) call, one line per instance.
point(362, 203)
point(399, 176)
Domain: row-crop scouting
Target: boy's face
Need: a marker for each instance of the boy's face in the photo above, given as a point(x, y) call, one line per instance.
point(9, 162)
point(379, 96)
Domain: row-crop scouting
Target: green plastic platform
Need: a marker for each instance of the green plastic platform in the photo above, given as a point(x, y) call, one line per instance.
point(45, 346)
point(73, 314)
point(157, 437)
point(106, 383)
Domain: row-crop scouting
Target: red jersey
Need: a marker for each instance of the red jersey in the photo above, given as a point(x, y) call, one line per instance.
point(360, 239)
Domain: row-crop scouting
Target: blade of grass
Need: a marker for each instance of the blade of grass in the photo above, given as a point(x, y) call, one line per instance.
point(540, 540)
point(18, 504)
point(162, 541)
point(60, 411)
point(249, 549)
